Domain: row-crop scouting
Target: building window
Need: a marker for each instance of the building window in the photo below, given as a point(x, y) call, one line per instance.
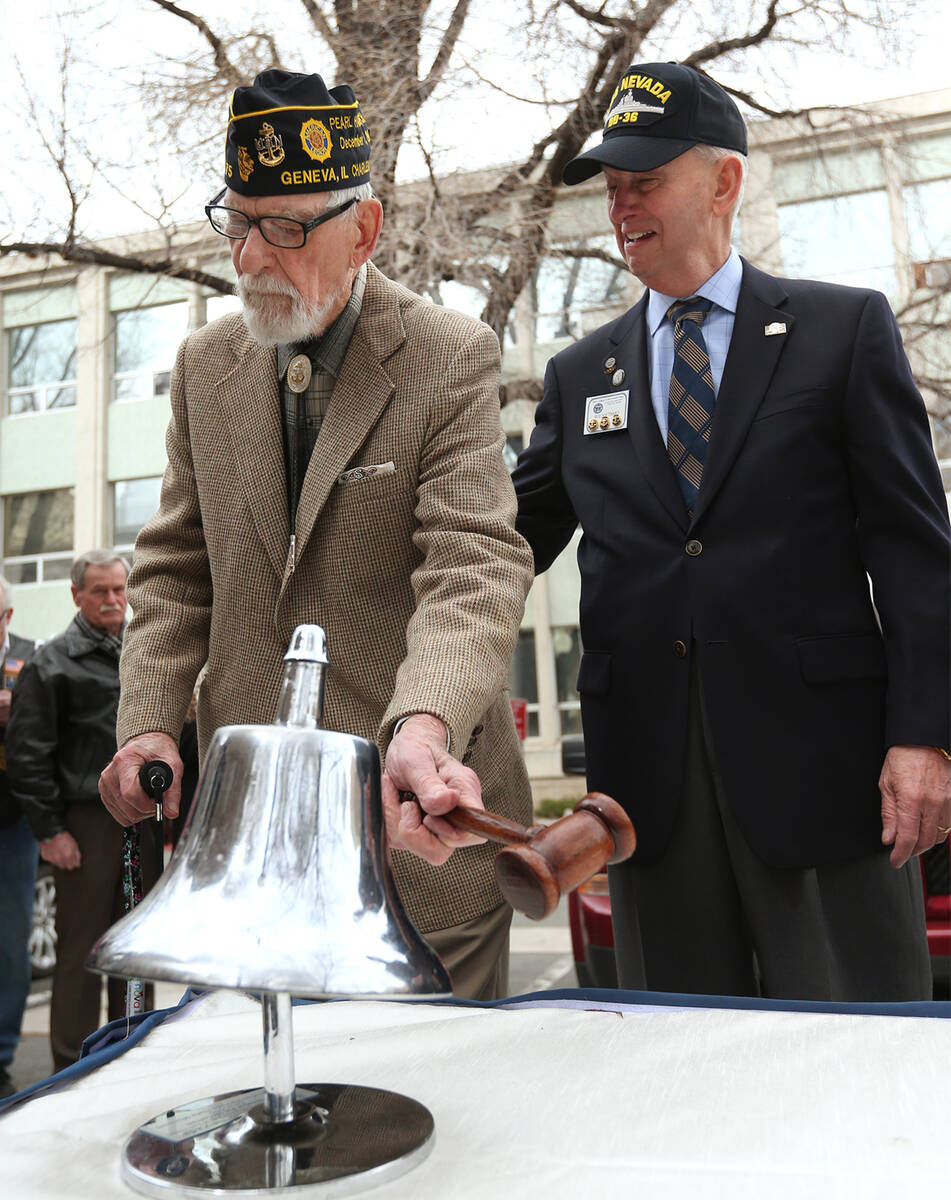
point(573, 295)
point(926, 211)
point(41, 372)
point(523, 682)
point(133, 502)
point(146, 341)
point(514, 444)
point(220, 306)
point(38, 536)
point(566, 642)
point(842, 239)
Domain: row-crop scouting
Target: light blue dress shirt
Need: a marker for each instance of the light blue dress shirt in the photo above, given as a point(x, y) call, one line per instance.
point(723, 288)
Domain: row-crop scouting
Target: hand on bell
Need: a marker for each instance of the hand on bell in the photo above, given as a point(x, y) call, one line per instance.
point(421, 782)
point(119, 784)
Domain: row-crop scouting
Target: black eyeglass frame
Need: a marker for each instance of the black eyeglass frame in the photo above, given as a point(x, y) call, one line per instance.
point(305, 226)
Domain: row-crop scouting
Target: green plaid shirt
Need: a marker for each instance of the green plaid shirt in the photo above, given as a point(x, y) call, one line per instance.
point(303, 412)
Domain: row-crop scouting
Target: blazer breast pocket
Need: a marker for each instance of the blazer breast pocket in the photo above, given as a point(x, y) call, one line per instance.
point(370, 472)
point(791, 402)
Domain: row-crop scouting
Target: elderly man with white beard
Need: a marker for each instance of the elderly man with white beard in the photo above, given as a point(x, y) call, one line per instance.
point(334, 456)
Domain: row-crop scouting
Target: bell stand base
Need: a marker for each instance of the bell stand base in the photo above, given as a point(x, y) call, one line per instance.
point(342, 1139)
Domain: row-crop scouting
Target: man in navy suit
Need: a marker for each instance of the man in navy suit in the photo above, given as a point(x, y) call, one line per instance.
point(780, 742)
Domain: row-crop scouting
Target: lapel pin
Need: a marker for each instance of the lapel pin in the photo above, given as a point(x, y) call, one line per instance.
point(618, 377)
point(775, 327)
point(609, 365)
point(298, 373)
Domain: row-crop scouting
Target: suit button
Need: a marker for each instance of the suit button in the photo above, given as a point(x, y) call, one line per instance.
point(693, 548)
point(680, 649)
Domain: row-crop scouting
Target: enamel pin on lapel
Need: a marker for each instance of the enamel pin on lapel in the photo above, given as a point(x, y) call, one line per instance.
point(605, 413)
point(775, 327)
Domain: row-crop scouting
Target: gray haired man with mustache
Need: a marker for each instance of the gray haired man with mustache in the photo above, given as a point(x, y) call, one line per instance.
point(61, 733)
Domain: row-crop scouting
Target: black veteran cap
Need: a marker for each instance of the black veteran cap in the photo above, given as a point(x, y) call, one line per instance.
point(658, 111)
point(291, 133)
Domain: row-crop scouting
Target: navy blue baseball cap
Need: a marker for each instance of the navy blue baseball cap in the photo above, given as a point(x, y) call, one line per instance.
point(657, 111)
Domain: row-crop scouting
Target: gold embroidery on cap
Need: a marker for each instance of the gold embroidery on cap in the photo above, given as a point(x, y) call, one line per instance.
point(315, 138)
point(270, 146)
point(245, 163)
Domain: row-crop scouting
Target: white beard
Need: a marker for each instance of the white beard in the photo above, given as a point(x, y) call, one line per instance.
point(275, 312)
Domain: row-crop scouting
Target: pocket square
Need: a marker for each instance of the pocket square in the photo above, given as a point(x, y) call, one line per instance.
point(355, 474)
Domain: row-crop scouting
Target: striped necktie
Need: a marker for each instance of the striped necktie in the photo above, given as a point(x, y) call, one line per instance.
point(691, 397)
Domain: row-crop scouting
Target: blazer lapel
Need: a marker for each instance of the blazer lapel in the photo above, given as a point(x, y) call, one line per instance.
point(750, 364)
point(642, 423)
point(361, 393)
point(250, 403)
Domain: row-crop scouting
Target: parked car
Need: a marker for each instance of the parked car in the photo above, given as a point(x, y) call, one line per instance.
point(592, 934)
point(43, 933)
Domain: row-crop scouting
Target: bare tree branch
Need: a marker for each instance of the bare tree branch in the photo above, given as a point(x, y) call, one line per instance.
point(725, 45)
point(320, 22)
point(94, 255)
point(444, 53)
point(222, 62)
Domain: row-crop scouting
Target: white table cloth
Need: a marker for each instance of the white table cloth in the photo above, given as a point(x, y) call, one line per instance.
point(549, 1102)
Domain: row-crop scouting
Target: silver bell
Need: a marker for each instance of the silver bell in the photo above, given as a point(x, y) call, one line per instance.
point(280, 884)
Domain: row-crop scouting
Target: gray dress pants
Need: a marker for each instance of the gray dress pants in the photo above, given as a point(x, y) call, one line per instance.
point(712, 918)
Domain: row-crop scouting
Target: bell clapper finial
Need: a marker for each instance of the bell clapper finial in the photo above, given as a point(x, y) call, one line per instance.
point(300, 703)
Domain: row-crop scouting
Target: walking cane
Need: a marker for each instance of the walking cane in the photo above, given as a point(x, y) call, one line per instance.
point(155, 778)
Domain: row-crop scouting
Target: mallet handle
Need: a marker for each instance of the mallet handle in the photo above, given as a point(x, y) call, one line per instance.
point(491, 826)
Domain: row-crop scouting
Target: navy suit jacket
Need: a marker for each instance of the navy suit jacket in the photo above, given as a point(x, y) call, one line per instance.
point(819, 474)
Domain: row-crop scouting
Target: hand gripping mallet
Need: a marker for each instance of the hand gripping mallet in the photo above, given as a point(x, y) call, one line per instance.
point(155, 778)
point(542, 862)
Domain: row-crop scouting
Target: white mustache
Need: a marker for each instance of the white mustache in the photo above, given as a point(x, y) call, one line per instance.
point(264, 285)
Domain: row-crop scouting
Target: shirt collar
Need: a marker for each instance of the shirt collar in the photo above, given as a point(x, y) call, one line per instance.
point(111, 641)
point(723, 288)
point(329, 350)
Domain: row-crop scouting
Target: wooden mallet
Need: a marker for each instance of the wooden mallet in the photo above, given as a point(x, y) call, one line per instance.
point(542, 862)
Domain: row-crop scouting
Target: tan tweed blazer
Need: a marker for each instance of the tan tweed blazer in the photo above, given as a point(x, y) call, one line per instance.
point(414, 571)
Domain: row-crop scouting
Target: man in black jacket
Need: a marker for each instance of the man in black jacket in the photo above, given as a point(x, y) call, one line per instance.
point(742, 453)
point(18, 859)
point(60, 736)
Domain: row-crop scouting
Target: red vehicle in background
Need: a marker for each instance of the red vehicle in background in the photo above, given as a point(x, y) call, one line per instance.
point(592, 935)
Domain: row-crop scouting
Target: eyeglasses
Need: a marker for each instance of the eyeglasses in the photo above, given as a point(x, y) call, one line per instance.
point(284, 232)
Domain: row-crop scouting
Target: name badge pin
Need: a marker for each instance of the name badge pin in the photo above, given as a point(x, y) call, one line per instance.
point(774, 327)
point(606, 412)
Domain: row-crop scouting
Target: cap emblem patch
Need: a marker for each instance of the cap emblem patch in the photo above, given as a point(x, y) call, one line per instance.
point(270, 146)
point(315, 138)
point(637, 98)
